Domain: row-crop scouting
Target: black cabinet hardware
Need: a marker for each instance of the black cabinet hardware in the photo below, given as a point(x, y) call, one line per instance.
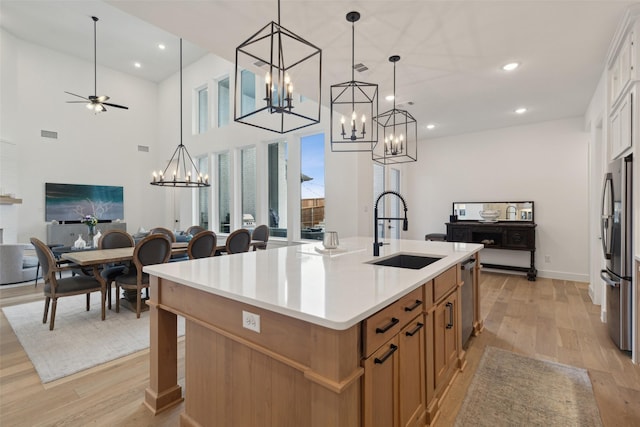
point(414, 330)
point(392, 349)
point(414, 306)
point(388, 326)
point(450, 307)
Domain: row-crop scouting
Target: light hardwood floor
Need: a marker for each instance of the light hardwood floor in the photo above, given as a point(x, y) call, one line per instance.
point(546, 319)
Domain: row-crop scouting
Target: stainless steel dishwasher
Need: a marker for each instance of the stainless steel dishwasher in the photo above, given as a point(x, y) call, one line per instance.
point(466, 305)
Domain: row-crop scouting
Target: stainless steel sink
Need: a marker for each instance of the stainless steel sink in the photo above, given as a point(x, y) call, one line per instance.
point(415, 262)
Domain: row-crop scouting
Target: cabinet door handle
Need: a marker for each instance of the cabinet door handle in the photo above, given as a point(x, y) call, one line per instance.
point(417, 304)
point(392, 349)
point(388, 326)
point(414, 330)
point(449, 305)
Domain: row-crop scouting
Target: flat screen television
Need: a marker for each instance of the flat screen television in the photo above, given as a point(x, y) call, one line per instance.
point(71, 202)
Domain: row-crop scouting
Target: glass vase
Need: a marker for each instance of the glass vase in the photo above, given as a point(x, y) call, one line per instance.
point(92, 232)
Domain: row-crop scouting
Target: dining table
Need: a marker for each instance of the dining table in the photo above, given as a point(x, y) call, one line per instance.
point(94, 259)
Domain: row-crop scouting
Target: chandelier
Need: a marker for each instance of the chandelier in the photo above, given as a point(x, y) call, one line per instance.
point(354, 105)
point(400, 132)
point(181, 162)
point(283, 58)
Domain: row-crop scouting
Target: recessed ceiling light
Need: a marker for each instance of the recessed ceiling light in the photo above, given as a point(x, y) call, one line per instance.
point(137, 64)
point(521, 110)
point(389, 97)
point(161, 46)
point(431, 126)
point(510, 66)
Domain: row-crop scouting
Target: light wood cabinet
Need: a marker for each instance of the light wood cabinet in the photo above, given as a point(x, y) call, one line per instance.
point(445, 340)
point(380, 386)
point(394, 379)
point(412, 373)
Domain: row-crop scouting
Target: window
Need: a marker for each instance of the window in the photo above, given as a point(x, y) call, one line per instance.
point(203, 109)
point(223, 102)
point(378, 188)
point(224, 197)
point(203, 194)
point(312, 187)
point(248, 92)
point(277, 176)
point(248, 186)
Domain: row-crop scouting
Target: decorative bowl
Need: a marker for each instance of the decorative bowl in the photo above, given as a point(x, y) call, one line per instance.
point(489, 215)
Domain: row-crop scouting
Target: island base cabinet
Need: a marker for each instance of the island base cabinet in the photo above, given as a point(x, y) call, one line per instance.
point(394, 393)
point(445, 336)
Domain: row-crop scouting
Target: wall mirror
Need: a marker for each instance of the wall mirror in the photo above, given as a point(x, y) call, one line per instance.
point(493, 211)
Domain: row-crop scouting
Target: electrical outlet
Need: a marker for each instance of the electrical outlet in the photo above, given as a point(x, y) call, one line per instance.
point(547, 258)
point(251, 321)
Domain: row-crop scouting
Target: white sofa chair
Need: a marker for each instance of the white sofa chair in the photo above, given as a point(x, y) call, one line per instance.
point(15, 266)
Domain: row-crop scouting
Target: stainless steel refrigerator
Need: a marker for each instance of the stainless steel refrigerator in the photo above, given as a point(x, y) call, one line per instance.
point(616, 220)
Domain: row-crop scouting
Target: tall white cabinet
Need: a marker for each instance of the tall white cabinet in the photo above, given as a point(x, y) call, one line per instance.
point(622, 77)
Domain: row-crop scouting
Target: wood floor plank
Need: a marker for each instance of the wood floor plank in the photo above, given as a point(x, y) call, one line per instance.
point(545, 319)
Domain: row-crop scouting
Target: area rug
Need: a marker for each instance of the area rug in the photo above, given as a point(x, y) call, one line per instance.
point(513, 390)
point(80, 339)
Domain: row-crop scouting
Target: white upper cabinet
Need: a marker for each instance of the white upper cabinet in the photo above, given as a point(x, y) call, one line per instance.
point(622, 78)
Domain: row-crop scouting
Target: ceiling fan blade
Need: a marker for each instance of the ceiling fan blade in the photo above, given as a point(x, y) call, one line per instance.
point(76, 95)
point(76, 102)
point(115, 105)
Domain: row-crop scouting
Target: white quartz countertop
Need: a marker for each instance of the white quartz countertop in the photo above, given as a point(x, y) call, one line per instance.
point(335, 290)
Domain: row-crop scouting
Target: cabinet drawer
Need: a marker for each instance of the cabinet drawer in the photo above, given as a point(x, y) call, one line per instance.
point(390, 320)
point(520, 238)
point(444, 283)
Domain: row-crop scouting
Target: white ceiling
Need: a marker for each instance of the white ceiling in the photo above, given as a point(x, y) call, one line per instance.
point(451, 50)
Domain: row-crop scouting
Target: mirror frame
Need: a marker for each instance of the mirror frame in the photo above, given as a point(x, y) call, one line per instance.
point(528, 220)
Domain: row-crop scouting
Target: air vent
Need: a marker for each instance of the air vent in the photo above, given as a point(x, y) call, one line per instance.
point(143, 148)
point(49, 134)
point(360, 67)
point(259, 63)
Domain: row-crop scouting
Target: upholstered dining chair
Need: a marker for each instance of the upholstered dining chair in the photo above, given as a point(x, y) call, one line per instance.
point(61, 287)
point(194, 229)
point(260, 233)
point(238, 241)
point(153, 249)
point(202, 245)
point(112, 239)
point(161, 230)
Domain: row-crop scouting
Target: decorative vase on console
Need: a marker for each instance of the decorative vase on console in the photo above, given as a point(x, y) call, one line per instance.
point(92, 233)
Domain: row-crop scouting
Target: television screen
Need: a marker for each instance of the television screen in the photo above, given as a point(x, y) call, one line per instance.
point(71, 202)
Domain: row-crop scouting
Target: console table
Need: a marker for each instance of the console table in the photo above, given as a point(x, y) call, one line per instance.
point(516, 236)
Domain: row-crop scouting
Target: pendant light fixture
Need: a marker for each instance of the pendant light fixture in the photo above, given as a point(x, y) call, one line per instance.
point(181, 165)
point(280, 107)
point(399, 130)
point(354, 106)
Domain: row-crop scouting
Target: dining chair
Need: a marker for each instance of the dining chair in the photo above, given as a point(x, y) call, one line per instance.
point(112, 239)
point(161, 230)
point(62, 287)
point(238, 241)
point(260, 233)
point(194, 229)
point(153, 249)
point(202, 245)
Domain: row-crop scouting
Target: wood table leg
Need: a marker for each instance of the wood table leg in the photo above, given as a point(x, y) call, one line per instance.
point(163, 391)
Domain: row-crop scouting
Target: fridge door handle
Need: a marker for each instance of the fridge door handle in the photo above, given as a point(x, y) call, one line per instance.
point(604, 275)
point(606, 215)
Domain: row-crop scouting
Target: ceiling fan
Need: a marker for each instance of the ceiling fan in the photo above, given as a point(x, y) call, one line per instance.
point(95, 102)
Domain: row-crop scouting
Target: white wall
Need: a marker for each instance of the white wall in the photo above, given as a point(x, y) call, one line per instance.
point(90, 149)
point(545, 162)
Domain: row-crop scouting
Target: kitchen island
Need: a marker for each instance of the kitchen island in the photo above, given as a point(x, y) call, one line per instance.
point(300, 336)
